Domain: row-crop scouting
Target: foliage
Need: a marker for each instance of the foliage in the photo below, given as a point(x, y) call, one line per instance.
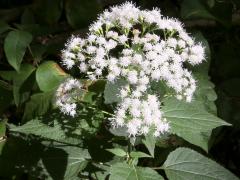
point(37, 141)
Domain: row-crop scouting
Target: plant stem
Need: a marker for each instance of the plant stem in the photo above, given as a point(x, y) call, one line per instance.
point(105, 112)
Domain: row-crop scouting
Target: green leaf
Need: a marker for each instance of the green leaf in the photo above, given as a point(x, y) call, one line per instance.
point(123, 171)
point(38, 105)
point(57, 161)
point(76, 161)
point(49, 75)
point(80, 13)
point(139, 154)
point(112, 90)
point(205, 93)
point(190, 121)
point(53, 130)
point(57, 127)
point(3, 27)
point(18, 80)
point(149, 141)
point(117, 152)
point(15, 45)
point(191, 9)
point(184, 163)
point(2, 128)
point(50, 131)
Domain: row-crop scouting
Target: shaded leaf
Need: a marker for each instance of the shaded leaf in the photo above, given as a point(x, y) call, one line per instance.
point(15, 45)
point(112, 90)
point(48, 12)
point(149, 141)
point(3, 27)
point(190, 121)
point(123, 171)
point(191, 9)
point(6, 100)
point(38, 105)
point(184, 163)
point(18, 80)
point(80, 13)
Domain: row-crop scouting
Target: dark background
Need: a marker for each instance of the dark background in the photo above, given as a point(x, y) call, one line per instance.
point(51, 22)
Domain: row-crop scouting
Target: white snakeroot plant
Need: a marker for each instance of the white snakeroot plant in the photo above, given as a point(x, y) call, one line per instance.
point(140, 46)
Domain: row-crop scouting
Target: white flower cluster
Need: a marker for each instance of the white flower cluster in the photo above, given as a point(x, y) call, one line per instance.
point(139, 46)
point(66, 95)
point(140, 116)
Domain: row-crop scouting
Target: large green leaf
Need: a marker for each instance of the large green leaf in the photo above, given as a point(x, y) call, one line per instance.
point(15, 45)
point(184, 163)
point(123, 171)
point(58, 127)
point(49, 75)
point(18, 80)
point(38, 105)
point(112, 90)
point(80, 13)
point(190, 121)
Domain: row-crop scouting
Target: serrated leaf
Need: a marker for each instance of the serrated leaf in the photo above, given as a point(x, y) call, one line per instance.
point(123, 171)
point(184, 163)
point(149, 141)
point(49, 75)
point(15, 45)
point(37, 127)
point(190, 121)
point(117, 152)
point(112, 90)
point(139, 154)
point(58, 127)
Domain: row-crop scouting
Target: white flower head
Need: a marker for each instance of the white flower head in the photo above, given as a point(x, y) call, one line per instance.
point(139, 46)
point(66, 94)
